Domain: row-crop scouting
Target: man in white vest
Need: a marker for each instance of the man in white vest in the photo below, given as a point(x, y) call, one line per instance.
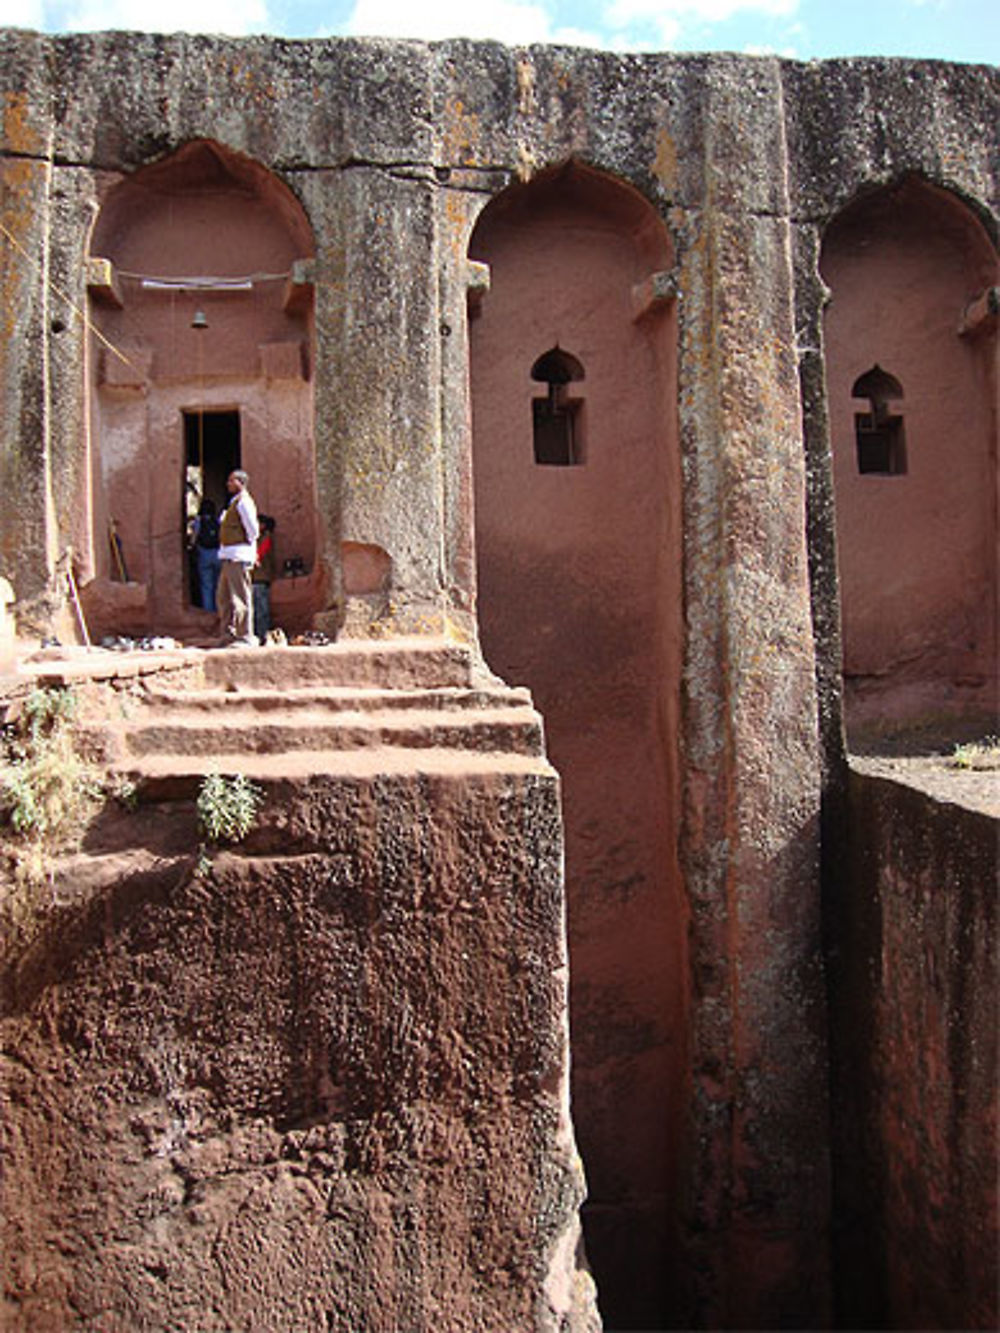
point(237, 557)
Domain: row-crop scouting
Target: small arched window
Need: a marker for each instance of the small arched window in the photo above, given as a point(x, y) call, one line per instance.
point(556, 418)
point(881, 442)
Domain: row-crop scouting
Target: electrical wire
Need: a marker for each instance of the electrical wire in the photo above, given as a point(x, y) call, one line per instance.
point(242, 282)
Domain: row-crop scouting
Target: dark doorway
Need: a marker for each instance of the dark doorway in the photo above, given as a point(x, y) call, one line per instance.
point(211, 452)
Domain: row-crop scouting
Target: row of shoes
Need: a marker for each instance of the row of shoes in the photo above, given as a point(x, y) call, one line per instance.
point(312, 638)
point(275, 638)
point(150, 643)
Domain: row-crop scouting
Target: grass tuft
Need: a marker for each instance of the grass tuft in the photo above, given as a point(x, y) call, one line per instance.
point(49, 792)
point(977, 755)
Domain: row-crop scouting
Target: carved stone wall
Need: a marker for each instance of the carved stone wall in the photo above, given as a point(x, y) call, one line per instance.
point(393, 150)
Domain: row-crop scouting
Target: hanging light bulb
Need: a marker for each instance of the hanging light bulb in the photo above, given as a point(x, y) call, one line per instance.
point(199, 321)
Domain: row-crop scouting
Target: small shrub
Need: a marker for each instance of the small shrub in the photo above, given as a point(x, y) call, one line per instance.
point(47, 710)
point(979, 755)
point(49, 793)
point(227, 807)
point(123, 790)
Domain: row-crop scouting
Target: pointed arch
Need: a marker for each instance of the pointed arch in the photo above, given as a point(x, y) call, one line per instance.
point(579, 597)
point(201, 295)
point(915, 507)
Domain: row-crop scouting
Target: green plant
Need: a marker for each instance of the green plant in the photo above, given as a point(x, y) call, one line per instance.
point(123, 790)
point(48, 791)
point(227, 807)
point(47, 710)
point(984, 754)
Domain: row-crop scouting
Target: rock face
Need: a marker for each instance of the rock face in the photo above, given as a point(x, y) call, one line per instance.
point(693, 668)
point(915, 1050)
point(322, 1083)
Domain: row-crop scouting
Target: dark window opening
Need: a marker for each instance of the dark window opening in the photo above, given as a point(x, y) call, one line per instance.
point(878, 433)
point(556, 419)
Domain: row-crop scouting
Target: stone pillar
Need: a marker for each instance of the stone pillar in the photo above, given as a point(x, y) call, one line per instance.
point(758, 1200)
point(378, 387)
point(27, 548)
point(73, 206)
point(810, 298)
point(459, 199)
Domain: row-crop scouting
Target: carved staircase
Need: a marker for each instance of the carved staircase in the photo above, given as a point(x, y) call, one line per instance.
point(343, 1037)
point(280, 715)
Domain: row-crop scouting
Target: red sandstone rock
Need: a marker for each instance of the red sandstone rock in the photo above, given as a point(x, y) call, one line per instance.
point(322, 1083)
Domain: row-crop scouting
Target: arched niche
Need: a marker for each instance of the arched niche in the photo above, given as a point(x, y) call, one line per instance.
point(201, 360)
point(911, 379)
point(579, 597)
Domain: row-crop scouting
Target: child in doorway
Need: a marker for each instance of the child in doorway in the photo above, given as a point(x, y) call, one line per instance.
point(263, 576)
point(205, 540)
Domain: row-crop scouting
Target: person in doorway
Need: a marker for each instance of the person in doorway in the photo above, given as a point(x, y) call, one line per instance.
point(238, 532)
point(263, 577)
point(205, 543)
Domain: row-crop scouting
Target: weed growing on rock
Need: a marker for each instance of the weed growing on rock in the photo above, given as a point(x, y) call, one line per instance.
point(48, 791)
point(984, 754)
point(227, 807)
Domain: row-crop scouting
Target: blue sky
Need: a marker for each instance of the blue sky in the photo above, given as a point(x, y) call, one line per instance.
point(966, 30)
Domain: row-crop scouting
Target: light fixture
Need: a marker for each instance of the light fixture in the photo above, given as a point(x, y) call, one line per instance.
point(199, 321)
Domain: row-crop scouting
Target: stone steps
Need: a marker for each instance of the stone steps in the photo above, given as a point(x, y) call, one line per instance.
point(285, 780)
point(237, 699)
point(381, 664)
point(242, 731)
point(285, 716)
point(403, 663)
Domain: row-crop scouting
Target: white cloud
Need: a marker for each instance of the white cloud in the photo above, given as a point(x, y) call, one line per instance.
point(515, 22)
point(661, 34)
point(752, 49)
point(661, 12)
point(578, 37)
point(233, 17)
point(511, 21)
point(21, 14)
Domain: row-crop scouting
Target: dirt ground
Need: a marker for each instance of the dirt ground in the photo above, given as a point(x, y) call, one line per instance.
point(960, 764)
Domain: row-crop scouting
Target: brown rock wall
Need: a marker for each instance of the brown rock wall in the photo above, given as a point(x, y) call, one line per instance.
point(579, 595)
point(393, 148)
point(280, 1095)
point(916, 547)
point(486, 115)
point(915, 1042)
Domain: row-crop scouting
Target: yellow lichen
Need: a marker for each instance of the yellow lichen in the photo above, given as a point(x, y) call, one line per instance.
point(461, 133)
point(665, 161)
point(19, 135)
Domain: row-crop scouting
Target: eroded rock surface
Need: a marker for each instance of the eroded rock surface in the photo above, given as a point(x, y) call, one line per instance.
point(321, 1082)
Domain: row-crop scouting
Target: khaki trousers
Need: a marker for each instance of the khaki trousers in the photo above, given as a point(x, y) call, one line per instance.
point(235, 600)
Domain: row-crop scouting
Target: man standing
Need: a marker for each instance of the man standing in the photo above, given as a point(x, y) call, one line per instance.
point(237, 556)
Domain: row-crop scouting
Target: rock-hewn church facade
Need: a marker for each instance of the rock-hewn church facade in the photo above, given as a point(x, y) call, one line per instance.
point(666, 384)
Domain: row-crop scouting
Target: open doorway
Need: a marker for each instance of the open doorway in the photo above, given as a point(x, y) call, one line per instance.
point(211, 296)
point(211, 452)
